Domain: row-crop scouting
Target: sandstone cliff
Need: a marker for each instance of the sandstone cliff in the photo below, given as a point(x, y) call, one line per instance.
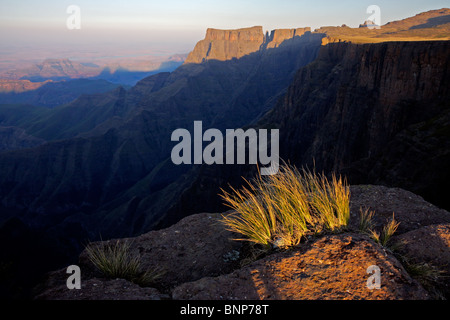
point(225, 45)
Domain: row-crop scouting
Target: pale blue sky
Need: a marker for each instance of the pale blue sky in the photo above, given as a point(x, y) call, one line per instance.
point(179, 23)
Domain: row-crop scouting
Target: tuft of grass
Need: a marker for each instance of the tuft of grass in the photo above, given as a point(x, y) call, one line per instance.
point(365, 220)
point(386, 234)
point(115, 260)
point(279, 210)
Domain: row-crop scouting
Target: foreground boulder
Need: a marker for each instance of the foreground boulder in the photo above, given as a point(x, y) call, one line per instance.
point(334, 267)
point(428, 249)
point(201, 261)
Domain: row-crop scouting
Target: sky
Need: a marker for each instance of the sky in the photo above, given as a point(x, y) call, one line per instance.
point(172, 25)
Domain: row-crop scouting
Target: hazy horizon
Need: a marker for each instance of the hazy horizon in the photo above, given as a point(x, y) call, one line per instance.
point(35, 30)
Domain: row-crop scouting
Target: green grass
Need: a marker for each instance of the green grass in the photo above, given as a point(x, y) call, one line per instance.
point(281, 209)
point(116, 261)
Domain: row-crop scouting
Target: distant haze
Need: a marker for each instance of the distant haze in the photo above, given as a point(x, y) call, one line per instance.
point(33, 30)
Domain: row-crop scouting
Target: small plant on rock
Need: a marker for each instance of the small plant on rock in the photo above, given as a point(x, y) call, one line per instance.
point(387, 232)
point(115, 260)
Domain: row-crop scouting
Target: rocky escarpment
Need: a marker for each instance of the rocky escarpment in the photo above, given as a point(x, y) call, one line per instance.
point(278, 36)
point(201, 261)
point(362, 111)
point(225, 45)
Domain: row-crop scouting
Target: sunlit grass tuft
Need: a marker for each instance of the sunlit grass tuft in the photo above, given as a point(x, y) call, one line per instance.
point(386, 234)
point(281, 209)
point(366, 220)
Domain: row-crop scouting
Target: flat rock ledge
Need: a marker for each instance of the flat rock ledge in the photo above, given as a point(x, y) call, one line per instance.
point(201, 261)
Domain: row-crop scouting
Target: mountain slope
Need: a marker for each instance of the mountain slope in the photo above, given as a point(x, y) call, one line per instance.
point(106, 168)
point(53, 94)
point(360, 110)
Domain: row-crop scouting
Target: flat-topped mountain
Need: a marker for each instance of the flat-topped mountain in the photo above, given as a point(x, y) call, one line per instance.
point(225, 45)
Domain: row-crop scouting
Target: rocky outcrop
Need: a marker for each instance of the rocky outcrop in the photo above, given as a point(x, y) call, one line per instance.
point(278, 36)
point(428, 250)
point(225, 45)
point(201, 260)
point(332, 268)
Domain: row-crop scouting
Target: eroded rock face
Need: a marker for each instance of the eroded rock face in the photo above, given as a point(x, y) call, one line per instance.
point(278, 36)
point(225, 45)
point(334, 267)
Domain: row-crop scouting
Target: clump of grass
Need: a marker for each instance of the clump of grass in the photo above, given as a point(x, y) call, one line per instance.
point(366, 220)
point(279, 210)
point(386, 234)
point(115, 260)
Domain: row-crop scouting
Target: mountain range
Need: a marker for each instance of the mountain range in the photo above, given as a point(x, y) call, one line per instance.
point(370, 104)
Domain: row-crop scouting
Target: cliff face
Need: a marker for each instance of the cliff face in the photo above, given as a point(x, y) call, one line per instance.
point(225, 45)
point(377, 113)
point(278, 36)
